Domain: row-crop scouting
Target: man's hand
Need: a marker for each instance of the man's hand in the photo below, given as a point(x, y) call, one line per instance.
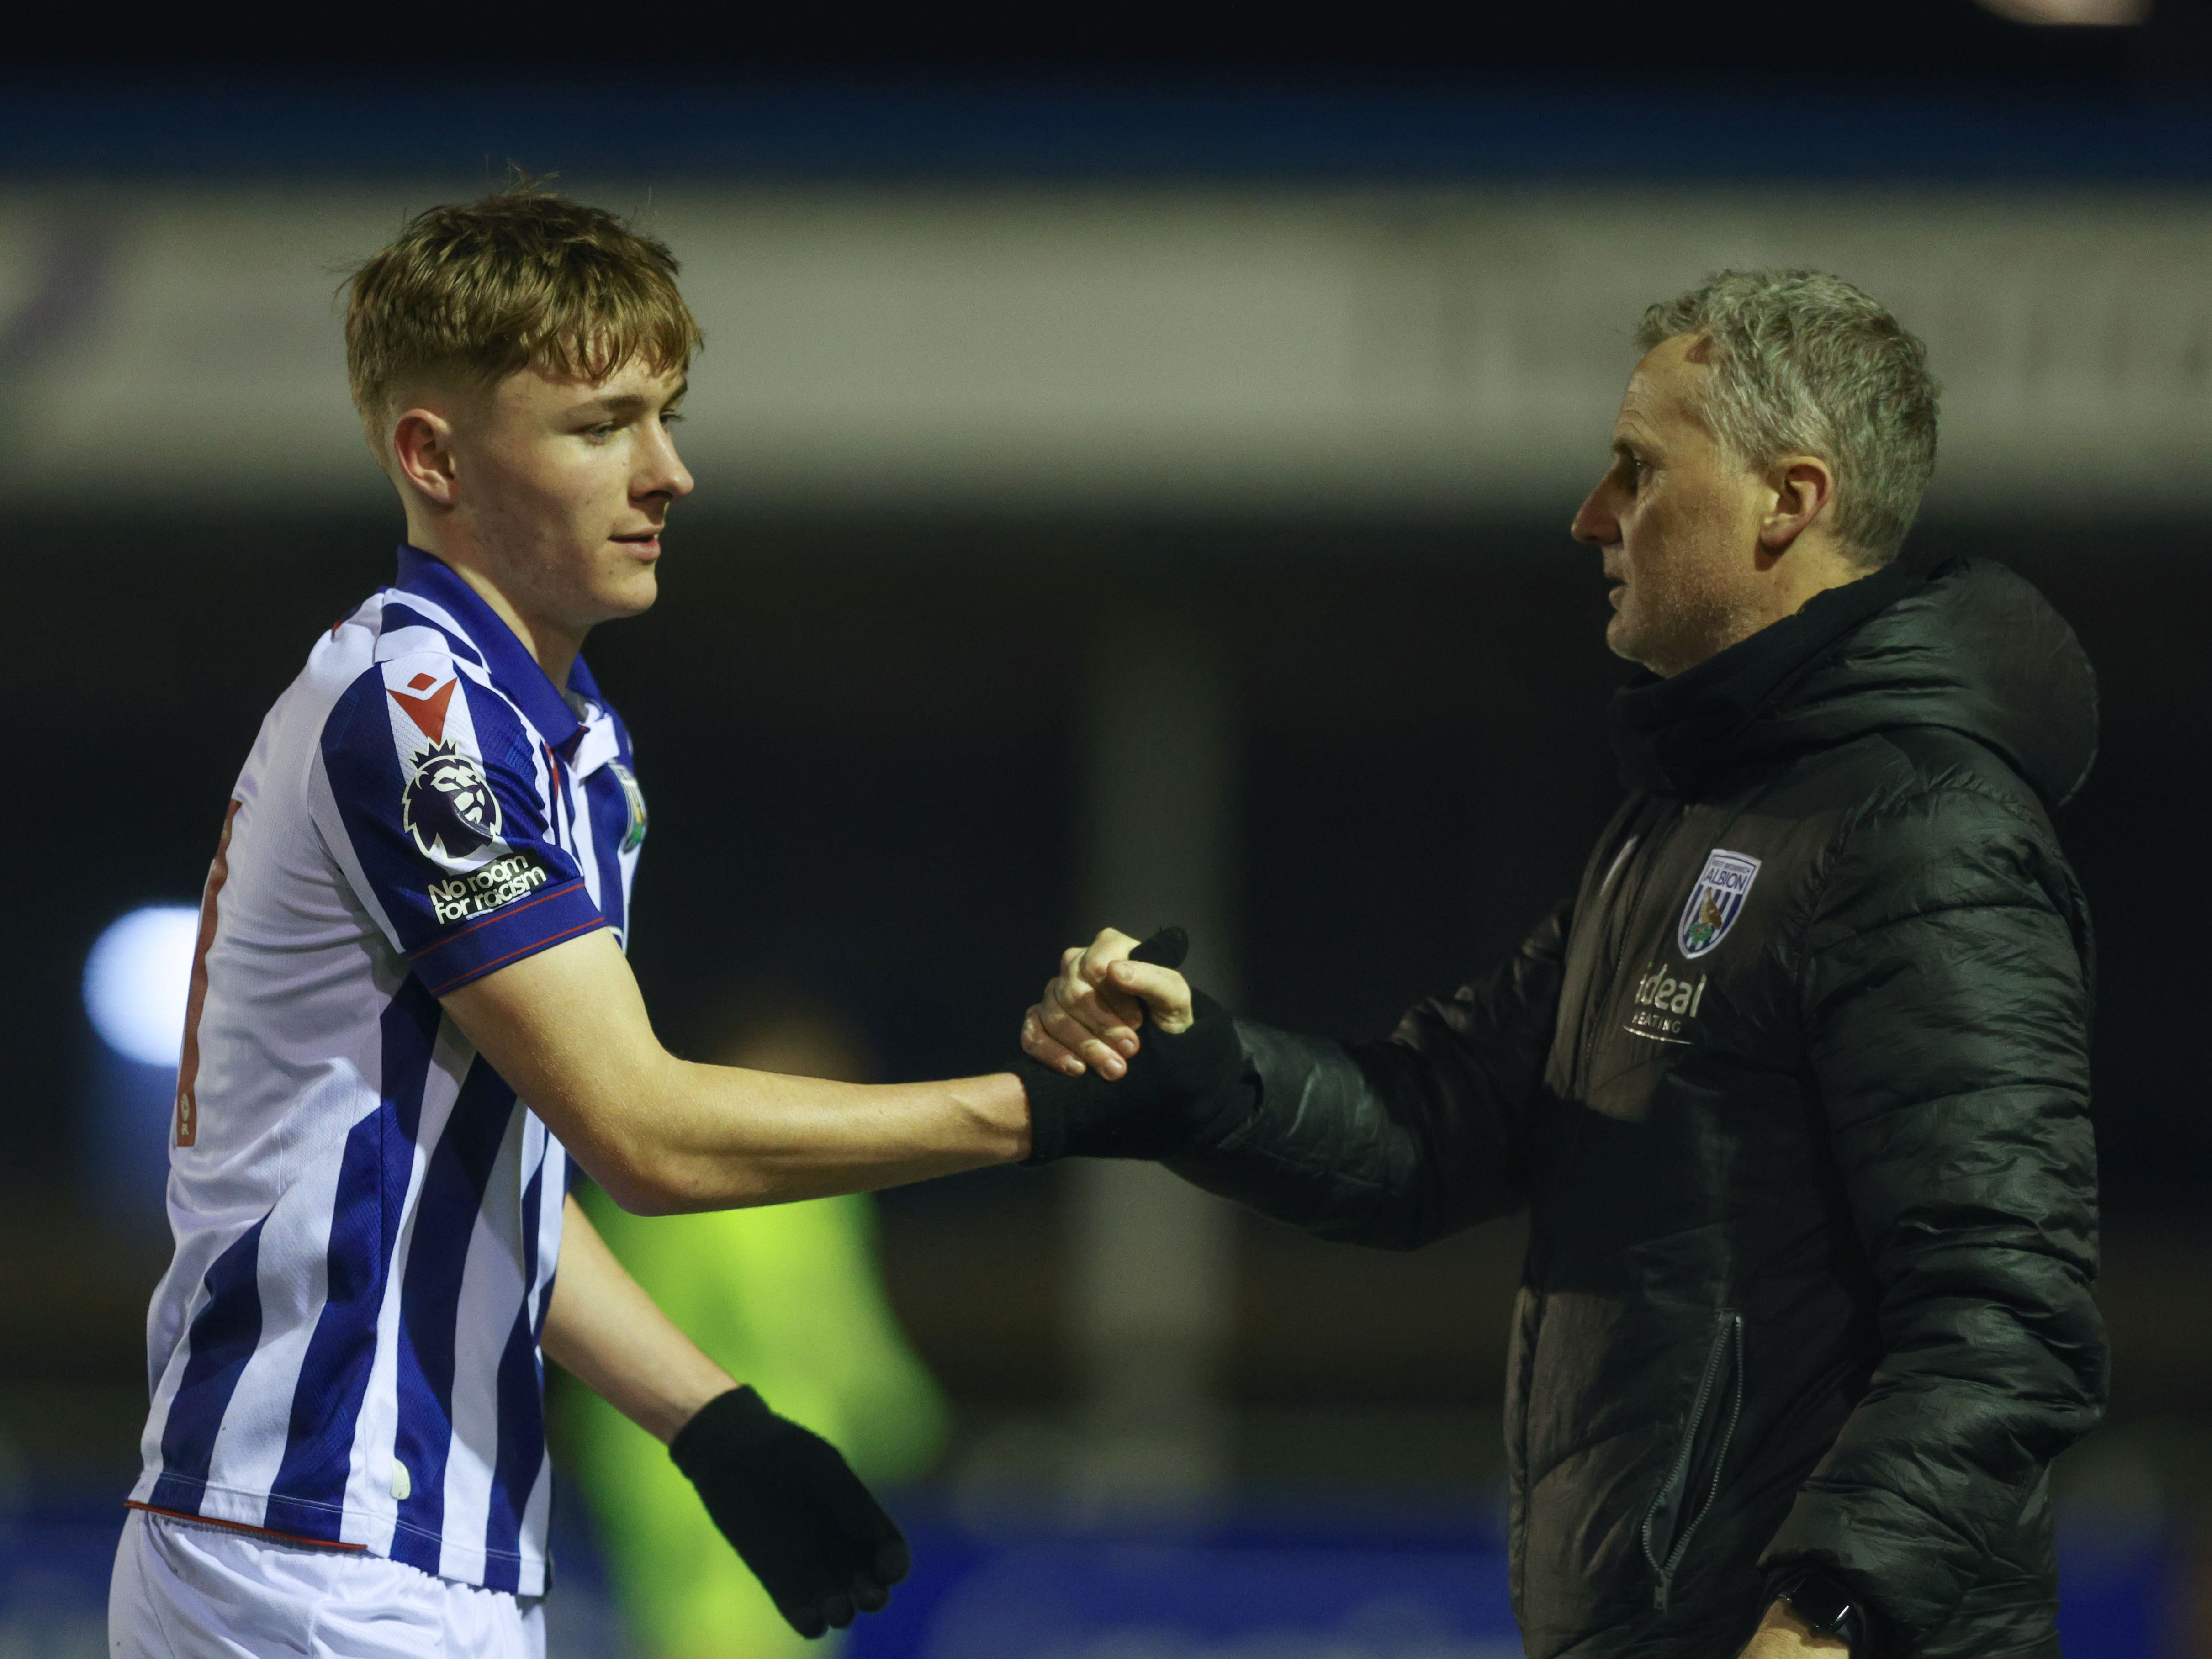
point(1092, 1091)
point(1783, 1635)
point(815, 1537)
point(1088, 1014)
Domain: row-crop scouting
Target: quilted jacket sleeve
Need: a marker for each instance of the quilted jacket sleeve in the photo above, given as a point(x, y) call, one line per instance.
point(1947, 1000)
point(1394, 1143)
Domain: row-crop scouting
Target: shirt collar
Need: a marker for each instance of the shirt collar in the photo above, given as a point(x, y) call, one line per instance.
point(1674, 736)
point(513, 669)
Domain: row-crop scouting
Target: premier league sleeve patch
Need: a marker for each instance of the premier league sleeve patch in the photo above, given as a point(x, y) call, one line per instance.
point(1715, 902)
point(447, 804)
point(446, 799)
point(450, 808)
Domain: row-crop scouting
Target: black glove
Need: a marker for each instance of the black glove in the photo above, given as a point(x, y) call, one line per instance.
point(1176, 1086)
point(815, 1537)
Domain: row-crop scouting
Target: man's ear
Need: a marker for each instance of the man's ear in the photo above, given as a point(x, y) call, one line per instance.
point(422, 455)
point(1803, 485)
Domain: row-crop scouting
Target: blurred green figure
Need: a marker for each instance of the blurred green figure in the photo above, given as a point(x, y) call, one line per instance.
point(789, 1299)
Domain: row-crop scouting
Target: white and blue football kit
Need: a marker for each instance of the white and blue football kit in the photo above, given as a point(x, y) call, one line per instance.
point(345, 1351)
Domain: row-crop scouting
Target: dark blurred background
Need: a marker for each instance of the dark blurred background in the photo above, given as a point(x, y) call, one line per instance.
point(1134, 462)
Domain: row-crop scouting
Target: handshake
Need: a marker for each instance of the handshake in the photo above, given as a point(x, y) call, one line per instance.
point(1095, 1088)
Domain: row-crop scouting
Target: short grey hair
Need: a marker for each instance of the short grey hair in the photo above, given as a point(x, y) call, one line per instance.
point(1803, 363)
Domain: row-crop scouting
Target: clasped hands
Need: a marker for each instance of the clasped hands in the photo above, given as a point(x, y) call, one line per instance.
point(1095, 1088)
point(1088, 1018)
point(1783, 1635)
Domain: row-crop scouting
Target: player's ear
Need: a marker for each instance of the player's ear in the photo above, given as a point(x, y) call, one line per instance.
point(422, 453)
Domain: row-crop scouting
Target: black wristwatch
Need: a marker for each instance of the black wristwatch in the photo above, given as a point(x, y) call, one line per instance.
point(1827, 1607)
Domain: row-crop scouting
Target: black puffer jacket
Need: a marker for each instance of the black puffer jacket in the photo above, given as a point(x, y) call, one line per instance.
point(1795, 1091)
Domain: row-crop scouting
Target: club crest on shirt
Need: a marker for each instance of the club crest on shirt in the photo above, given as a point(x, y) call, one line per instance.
point(448, 805)
point(633, 798)
point(1715, 902)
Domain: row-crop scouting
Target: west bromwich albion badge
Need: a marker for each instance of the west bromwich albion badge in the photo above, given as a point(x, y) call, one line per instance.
point(1715, 902)
point(634, 836)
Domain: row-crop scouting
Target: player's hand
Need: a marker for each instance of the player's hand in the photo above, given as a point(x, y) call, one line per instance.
point(1783, 1635)
point(1159, 1099)
point(1088, 1014)
point(815, 1537)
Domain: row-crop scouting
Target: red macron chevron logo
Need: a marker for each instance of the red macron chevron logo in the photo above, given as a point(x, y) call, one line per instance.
point(428, 713)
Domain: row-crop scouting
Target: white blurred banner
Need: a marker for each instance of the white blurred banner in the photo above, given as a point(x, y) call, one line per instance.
point(1424, 351)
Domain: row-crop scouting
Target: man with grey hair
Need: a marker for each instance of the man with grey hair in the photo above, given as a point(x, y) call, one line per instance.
point(1794, 1088)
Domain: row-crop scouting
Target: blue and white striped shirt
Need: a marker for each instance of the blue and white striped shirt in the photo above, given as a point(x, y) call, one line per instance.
point(345, 1346)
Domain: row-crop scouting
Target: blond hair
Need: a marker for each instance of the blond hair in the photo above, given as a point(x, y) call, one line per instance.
point(1804, 363)
point(522, 279)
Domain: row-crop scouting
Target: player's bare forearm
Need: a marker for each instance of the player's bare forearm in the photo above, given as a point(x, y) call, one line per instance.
point(722, 1137)
point(568, 1030)
point(607, 1333)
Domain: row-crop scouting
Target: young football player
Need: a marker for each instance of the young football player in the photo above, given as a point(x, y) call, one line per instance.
point(411, 1010)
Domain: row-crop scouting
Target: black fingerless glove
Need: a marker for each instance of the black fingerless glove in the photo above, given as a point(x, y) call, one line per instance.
point(784, 1497)
point(1177, 1085)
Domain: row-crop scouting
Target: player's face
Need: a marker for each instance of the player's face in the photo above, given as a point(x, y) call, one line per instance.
point(566, 484)
point(1676, 517)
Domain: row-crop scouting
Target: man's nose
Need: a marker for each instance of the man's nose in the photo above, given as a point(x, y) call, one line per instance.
point(1594, 524)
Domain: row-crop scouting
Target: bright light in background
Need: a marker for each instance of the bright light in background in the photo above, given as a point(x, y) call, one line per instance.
point(136, 979)
point(2094, 14)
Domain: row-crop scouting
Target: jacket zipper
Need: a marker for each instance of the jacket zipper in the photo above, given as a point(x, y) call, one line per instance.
point(1727, 1341)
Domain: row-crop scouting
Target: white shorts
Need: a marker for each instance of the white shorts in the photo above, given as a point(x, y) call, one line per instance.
point(183, 1590)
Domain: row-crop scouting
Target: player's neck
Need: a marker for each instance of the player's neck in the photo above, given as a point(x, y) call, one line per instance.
point(553, 647)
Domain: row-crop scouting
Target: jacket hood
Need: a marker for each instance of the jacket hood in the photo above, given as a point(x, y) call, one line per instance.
point(1968, 646)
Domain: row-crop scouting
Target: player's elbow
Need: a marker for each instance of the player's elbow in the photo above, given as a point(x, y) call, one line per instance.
point(654, 1180)
point(657, 1152)
point(620, 1126)
point(623, 1157)
point(638, 1192)
point(644, 1180)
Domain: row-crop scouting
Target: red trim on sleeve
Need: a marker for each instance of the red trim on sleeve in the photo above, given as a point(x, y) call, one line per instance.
point(506, 913)
point(481, 968)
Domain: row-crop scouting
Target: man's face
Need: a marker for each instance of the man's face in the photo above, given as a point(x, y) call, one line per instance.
point(565, 486)
point(1677, 519)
